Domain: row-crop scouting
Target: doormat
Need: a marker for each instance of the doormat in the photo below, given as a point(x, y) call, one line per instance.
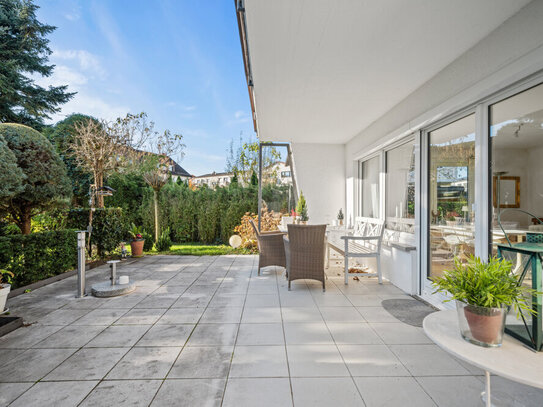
point(410, 312)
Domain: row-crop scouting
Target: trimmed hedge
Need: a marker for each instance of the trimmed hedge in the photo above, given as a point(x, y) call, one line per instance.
point(109, 227)
point(38, 256)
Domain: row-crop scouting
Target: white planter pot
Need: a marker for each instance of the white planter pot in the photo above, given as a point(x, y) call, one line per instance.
point(4, 291)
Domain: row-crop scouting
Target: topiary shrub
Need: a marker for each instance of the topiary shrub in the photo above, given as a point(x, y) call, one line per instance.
point(164, 242)
point(45, 184)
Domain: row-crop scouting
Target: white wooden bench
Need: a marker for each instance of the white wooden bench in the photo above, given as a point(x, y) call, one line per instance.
point(364, 241)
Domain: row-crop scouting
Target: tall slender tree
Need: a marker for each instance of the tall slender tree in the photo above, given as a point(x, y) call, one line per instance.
point(24, 52)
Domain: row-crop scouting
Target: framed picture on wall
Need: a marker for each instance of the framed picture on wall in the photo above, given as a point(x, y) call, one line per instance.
point(509, 190)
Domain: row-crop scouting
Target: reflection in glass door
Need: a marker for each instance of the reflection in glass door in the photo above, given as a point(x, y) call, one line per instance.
point(451, 193)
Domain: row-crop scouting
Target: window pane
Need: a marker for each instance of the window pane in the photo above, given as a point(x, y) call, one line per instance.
point(400, 188)
point(516, 137)
point(369, 186)
point(451, 194)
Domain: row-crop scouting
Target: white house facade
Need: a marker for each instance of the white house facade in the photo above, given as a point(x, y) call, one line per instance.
point(428, 115)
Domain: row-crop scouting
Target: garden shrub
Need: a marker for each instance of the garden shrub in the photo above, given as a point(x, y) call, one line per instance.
point(164, 242)
point(38, 256)
point(148, 242)
point(109, 227)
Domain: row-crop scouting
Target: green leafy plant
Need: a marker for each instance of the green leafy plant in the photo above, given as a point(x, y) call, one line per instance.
point(340, 215)
point(301, 208)
point(149, 241)
point(485, 284)
point(164, 242)
point(136, 232)
point(5, 277)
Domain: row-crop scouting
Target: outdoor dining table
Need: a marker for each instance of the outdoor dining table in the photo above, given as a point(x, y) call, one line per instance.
point(512, 360)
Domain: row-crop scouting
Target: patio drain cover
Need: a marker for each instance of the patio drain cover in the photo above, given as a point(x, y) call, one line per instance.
point(410, 312)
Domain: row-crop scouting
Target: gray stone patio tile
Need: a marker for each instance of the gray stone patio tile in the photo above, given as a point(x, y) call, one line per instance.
point(393, 392)
point(315, 361)
point(10, 391)
point(124, 301)
point(416, 359)
point(145, 363)
point(311, 333)
point(141, 316)
point(316, 392)
point(181, 316)
point(33, 364)
point(372, 360)
point(225, 315)
point(27, 336)
point(101, 316)
point(262, 392)
point(262, 300)
point(331, 300)
point(73, 336)
point(264, 315)
point(190, 392)
point(453, 391)
point(398, 333)
point(202, 362)
point(87, 364)
point(376, 314)
point(260, 334)
point(158, 301)
point(296, 299)
point(7, 354)
point(360, 333)
point(58, 394)
point(259, 361)
point(213, 335)
point(341, 314)
point(63, 316)
point(192, 300)
point(122, 393)
point(364, 300)
point(301, 314)
point(518, 394)
point(119, 336)
point(87, 302)
point(227, 300)
point(171, 289)
point(166, 335)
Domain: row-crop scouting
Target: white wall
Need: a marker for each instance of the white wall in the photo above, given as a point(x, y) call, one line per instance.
point(320, 173)
point(510, 53)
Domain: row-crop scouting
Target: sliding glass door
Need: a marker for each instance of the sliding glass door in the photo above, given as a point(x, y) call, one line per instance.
point(451, 195)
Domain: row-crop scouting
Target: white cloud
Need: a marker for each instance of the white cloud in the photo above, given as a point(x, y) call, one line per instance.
point(86, 61)
point(239, 117)
point(239, 114)
point(195, 133)
point(92, 106)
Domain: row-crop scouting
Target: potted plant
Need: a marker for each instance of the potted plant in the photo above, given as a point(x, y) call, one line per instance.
point(452, 218)
point(301, 209)
point(5, 287)
point(340, 217)
point(137, 242)
point(484, 293)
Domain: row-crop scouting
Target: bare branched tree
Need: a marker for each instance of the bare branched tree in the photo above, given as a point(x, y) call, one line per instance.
point(157, 164)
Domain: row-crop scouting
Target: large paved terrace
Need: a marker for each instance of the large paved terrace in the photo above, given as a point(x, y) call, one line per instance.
point(208, 331)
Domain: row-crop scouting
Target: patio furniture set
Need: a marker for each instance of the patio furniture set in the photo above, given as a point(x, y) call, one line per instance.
point(303, 249)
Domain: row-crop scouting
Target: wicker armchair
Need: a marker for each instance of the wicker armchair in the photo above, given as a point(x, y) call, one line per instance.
point(271, 248)
point(305, 249)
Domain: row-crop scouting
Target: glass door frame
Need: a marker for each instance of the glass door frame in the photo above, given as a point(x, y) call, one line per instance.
point(481, 195)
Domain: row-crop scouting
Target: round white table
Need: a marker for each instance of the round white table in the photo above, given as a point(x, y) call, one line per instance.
point(512, 360)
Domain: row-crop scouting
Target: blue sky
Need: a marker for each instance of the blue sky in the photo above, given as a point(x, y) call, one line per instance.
point(179, 61)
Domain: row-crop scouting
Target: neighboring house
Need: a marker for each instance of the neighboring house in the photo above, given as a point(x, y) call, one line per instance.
point(279, 171)
point(213, 180)
point(403, 112)
point(178, 172)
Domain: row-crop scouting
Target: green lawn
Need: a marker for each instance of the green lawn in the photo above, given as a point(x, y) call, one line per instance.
point(199, 249)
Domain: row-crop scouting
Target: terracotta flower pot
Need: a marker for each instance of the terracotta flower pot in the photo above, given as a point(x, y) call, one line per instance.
point(137, 247)
point(485, 326)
